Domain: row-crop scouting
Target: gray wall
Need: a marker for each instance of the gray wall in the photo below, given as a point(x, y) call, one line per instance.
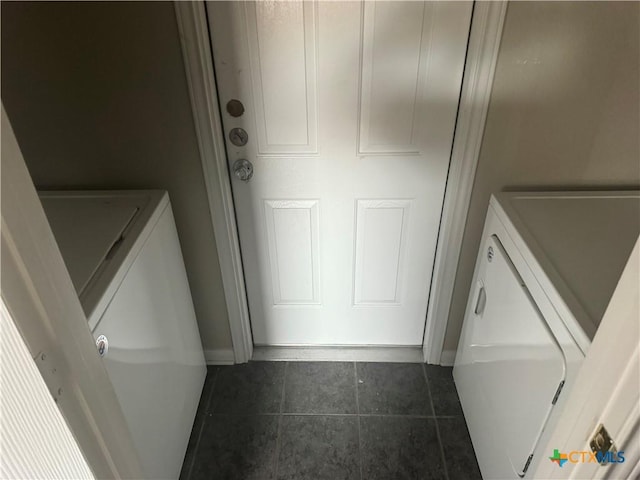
point(564, 112)
point(97, 96)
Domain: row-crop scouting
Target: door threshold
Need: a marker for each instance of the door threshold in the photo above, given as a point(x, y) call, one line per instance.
point(398, 354)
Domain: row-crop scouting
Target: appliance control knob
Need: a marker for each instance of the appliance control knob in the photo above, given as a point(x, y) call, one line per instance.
point(102, 344)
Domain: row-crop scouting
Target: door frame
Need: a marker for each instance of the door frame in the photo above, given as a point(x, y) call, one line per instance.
point(482, 52)
point(600, 397)
point(40, 298)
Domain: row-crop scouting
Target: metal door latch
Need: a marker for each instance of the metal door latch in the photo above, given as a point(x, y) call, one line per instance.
point(603, 446)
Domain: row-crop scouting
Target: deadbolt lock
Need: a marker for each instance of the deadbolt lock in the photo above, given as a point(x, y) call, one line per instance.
point(239, 137)
point(235, 108)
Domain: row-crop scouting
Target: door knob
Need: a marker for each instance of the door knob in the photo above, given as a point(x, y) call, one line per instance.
point(243, 169)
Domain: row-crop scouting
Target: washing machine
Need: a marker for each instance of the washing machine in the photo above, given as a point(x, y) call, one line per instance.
point(122, 252)
point(547, 267)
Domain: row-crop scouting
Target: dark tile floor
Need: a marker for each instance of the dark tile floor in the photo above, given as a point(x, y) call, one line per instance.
point(329, 420)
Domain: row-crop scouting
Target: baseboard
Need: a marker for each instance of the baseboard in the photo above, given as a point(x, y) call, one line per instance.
point(339, 354)
point(219, 356)
point(447, 358)
point(223, 356)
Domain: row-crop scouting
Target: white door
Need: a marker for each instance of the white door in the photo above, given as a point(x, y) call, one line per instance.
point(349, 110)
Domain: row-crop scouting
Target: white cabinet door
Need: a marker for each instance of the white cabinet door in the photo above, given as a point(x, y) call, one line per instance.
point(349, 109)
point(508, 367)
point(154, 357)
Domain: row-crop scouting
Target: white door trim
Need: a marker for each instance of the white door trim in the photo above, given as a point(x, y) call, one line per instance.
point(597, 396)
point(196, 51)
point(42, 445)
point(487, 22)
point(482, 54)
point(38, 294)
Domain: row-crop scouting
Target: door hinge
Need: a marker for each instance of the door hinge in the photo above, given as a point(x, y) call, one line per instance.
point(555, 397)
point(46, 364)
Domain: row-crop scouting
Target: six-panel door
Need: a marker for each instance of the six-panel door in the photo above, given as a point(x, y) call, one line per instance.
point(350, 110)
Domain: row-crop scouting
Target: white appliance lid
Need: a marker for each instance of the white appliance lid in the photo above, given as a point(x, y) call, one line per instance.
point(586, 237)
point(86, 228)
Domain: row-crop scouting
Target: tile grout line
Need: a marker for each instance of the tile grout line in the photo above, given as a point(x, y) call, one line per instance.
point(280, 415)
point(302, 414)
point(444, 461)
point(355, 372)
point(201, 427)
